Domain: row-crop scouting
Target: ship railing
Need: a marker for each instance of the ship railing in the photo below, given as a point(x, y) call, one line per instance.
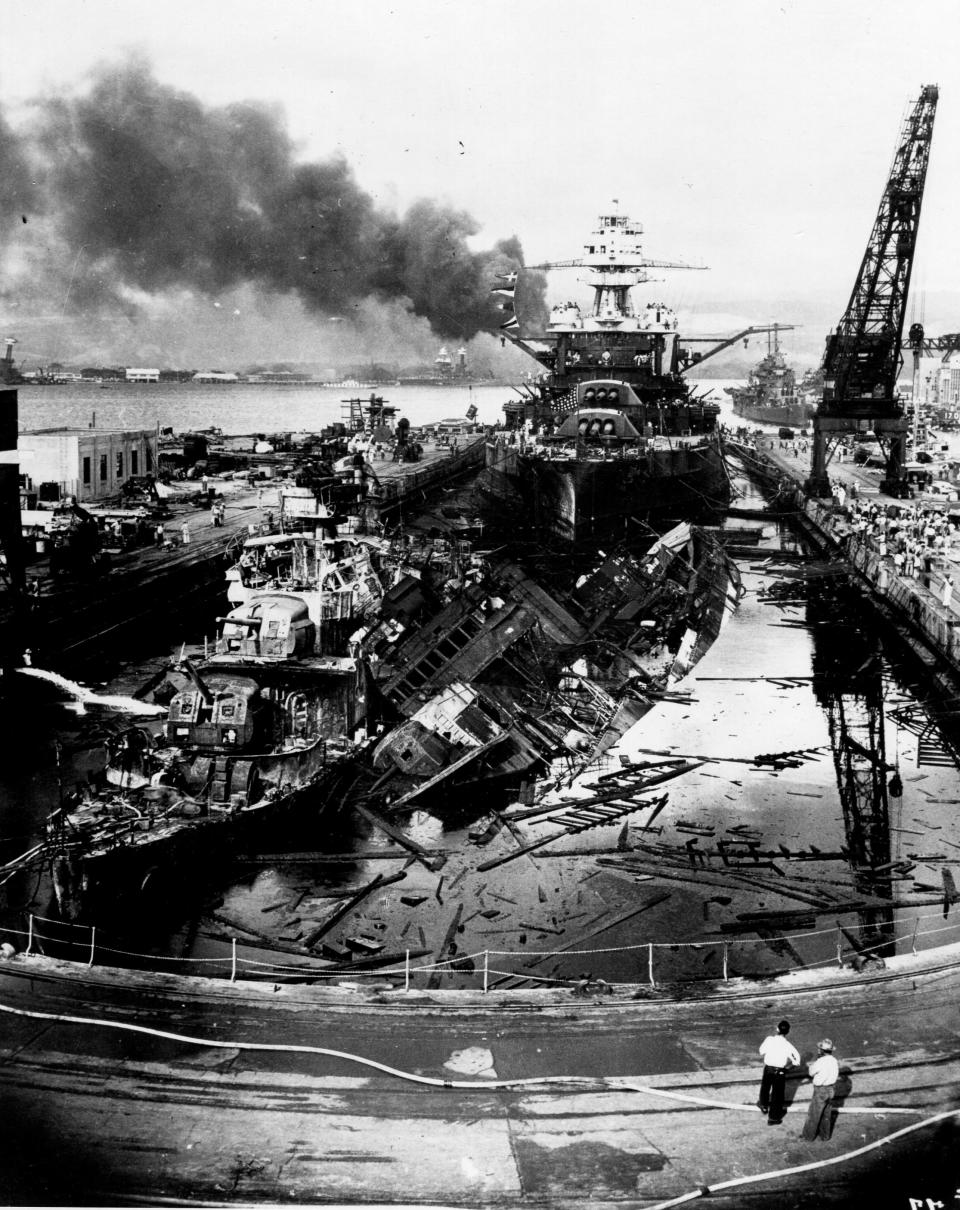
point(662, 961)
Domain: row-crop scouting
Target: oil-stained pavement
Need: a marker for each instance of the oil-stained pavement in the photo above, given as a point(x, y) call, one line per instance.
point(97, 1115)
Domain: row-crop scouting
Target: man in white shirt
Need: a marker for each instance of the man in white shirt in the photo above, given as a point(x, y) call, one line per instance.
point(824, 1071)
point(778, 1054)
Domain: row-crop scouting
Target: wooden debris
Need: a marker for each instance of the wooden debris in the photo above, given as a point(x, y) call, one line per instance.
point(364, 945)
point(348, 905)
point(448, 940)
point(401, 838)
point(609, 923)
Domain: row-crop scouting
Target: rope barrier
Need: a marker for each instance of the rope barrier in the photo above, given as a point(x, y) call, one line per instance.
point(458, 963)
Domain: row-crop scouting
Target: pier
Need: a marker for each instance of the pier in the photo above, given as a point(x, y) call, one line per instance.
point(924, 601)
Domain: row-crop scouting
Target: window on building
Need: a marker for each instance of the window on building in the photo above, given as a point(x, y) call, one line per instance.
point(119, 465)
point(134, 462)
point(87, 472)
point(103, 468)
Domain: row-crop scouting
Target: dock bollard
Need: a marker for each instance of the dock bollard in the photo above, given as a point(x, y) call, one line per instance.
point(93, 943)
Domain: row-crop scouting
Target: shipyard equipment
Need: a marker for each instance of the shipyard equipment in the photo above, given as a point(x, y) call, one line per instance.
point(862, 357)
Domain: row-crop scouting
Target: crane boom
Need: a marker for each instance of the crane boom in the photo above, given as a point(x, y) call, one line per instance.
point(862, 357)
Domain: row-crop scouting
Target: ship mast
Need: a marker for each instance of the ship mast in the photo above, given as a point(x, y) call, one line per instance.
point(616, 263)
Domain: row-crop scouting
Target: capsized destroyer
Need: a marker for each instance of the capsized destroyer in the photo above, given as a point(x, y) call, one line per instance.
point(610, 430)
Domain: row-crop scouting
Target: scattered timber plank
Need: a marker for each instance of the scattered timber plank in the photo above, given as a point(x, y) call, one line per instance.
point(364, 945)
point(609, 923)
point(371, 963)
point(349, 904)
point(579, 804)
point(321, 858)
point(852, 939)
point(797, 921)
point(779, 944)
point(400, 837)
point(434, 980)
point(275, 946)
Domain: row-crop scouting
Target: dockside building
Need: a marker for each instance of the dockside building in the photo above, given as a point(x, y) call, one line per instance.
point(89, 464)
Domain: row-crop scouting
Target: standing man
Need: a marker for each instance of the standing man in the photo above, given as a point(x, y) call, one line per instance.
point(778, 1054)
point(824, 1071)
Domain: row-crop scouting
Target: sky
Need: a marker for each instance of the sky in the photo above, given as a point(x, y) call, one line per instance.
point(752, 136)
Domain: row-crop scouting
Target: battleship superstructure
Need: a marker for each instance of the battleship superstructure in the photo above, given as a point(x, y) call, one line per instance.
point(610, 429)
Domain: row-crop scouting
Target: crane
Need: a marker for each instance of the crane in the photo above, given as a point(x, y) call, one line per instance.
point(862, 357)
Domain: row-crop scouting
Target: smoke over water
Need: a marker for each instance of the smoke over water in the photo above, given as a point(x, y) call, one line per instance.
point(137, 220)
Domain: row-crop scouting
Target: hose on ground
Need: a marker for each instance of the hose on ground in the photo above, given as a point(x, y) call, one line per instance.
point(603, 1082)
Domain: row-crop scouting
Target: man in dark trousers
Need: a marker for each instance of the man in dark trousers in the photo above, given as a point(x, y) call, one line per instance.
point(824, 1071)
point(778, 1054)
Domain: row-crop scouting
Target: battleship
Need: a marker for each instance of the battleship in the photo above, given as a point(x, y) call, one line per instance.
point(610, 429)
point(771, 394)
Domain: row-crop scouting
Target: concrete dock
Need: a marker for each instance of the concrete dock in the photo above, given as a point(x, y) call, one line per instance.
point(122, 1087)
point(921, 599)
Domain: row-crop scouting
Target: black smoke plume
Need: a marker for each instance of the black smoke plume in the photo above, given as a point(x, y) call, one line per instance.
point(158, 192)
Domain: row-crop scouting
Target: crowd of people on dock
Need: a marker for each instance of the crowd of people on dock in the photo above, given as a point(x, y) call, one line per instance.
point(916, 541)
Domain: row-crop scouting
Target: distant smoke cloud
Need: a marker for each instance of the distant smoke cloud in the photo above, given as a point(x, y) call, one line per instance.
point(139, 188)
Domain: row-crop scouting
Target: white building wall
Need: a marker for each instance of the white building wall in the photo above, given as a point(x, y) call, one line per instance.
point(89, 464)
